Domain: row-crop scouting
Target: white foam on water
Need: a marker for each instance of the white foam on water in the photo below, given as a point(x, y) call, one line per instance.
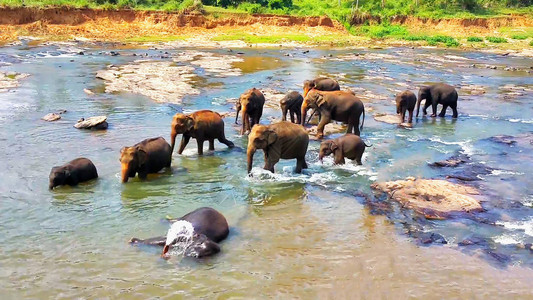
point(504, 172)
point(528, 201)
point(526, 226)
point(182, 231)
point(521, 121)
point(506, 240)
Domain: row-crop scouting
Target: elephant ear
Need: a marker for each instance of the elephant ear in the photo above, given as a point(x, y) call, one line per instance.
point(271, 137)
point(333, 146)
point(142, 156)
point(121, 153)
point(189, 123)
point(320, 100)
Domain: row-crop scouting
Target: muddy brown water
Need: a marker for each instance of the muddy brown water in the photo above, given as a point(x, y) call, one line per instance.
point(292, 236)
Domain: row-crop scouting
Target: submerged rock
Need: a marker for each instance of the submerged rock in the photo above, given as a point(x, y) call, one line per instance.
point(51, 117)
point(452, 162)
point(10, 80)
point(433, 198)
point(391, 119)
point(97, 123)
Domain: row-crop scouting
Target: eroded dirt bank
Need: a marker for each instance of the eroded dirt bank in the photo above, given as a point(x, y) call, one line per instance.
point(120, 24)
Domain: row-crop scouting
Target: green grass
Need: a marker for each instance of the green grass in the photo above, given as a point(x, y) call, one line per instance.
point(262, 39)
point(496, 40)
point(531, 43)
point(474, 39)
point(519, 37)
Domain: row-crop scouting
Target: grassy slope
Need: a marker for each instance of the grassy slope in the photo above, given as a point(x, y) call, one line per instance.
point(383, 31)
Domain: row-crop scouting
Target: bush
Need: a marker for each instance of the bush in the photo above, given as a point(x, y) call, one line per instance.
point(519, 37)
point(415, 38)
point(384, 30)
point(252, 8)
point(496, 40)
point(279, 4)
point(474, 39)
point(447, 40)
point(531, 43)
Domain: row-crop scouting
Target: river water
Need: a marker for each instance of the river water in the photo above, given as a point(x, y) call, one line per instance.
point(308, 236)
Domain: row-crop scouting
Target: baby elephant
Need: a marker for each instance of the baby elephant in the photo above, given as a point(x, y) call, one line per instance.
point(350, 146)
point(208, 226)
point(405, 101)
point(203, 125)
point(72, 173)
point(148, 156)
point(292, 103)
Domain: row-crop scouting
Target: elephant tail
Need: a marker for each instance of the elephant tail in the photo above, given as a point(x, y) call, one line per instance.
point(368, 145)
point(362, 123)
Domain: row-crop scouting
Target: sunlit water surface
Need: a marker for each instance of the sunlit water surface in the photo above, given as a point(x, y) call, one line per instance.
point(309, 235)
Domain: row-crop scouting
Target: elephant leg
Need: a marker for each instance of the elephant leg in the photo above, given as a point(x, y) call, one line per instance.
point(356, 130)
point(410, 116)
point(211, 144)
point(200, 142)
point(270, 161)
point(299, 116)
point(320, 127)
point(292, 116)
point(184, 141)
point(143, 174)
point(300, 165)
point(426, 105)
point(245, 123)
point(350, 127)
point(224, 141)
point(454, 108)
point(403, 114)
point(284, 115)
point(443, 111)
point(434, 109)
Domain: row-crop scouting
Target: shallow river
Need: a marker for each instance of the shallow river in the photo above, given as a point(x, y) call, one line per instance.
point(312, 235)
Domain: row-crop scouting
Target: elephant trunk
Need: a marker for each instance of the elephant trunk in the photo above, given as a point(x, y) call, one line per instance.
point(304, 112)
point(418, 103)
point(284, 112)
point(165, 251)
point(173, 135)
point(125, 173)
point(237, 114)
point(250, 154)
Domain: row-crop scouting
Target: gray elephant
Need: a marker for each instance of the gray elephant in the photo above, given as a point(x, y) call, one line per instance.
point(148, 156)
point(292, 103)
point(210, 228)
point(72, 173)
point(251, 102)
point(283, 140)
point(341, 106)
point(202, 125)
point(321, 84)
point(405, 101)
point(440, 93)
point(349, 145)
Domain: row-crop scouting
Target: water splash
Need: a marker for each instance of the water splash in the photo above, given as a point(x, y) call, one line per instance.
point(182, 232)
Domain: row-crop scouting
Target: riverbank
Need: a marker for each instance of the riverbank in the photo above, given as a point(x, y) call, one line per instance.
point(506, 33)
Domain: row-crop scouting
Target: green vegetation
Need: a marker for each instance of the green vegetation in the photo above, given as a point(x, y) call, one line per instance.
point(496, 40)
point(519, 37)
point(474, 39)
point(531, 43)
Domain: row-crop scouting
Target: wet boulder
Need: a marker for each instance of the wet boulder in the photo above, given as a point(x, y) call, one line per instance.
point(96, 123)
point(452, 162)
point(51, 117)
point(433, 198)
point(391, 119)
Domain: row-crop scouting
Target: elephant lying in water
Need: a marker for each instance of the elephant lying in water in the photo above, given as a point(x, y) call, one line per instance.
point(202, 125)
point(72, 173)
point(210, 227)
point(283, 140)
point(148, 156)
point(440, 93)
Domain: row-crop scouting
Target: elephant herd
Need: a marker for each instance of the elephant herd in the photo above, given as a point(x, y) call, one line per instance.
point(282, 140)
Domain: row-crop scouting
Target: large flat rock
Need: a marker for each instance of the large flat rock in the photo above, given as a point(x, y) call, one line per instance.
point(433, 198)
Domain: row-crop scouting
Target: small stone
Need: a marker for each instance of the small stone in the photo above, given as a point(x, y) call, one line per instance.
point(81, 53)
point(98, 123)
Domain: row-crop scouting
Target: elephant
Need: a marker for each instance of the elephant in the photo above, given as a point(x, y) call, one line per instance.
point(283, 140)
point(209, 228)
point(292, 103)
point(148, 156)
point(440, 93)
point(72, 173)
point(349, 145)
point(405, 101)
point(202, 125)
point(341, 106)
point(321, 84)
point(251, 102)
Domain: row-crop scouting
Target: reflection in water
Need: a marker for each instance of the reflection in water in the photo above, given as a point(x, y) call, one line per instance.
point(312, 235)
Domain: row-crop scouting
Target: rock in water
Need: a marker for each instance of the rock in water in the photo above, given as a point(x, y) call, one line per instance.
point(391, 119)
point(51, 117)
point(98, 123)
point(433, 198)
